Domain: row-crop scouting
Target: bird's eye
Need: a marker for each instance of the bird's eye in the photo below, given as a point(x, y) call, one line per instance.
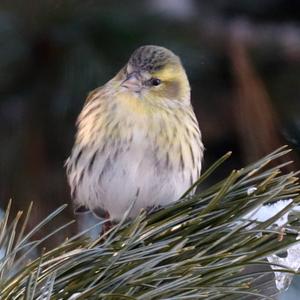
point(155, 81)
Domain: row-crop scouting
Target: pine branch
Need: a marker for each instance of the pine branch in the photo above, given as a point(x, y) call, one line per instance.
point(196, 248)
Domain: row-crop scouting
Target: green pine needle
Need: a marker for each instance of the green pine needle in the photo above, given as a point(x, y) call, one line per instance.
point(199, 247)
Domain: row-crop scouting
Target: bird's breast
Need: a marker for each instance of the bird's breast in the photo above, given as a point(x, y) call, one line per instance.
point(122, 153)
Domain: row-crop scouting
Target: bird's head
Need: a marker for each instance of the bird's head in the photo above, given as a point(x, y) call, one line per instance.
point(154, 74)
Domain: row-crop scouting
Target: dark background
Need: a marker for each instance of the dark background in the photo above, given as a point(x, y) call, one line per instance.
point(242, 58)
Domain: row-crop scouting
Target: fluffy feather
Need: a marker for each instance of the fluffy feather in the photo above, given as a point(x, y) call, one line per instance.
point(137, 143)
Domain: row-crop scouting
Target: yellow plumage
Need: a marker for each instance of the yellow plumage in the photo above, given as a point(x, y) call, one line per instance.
point(138, 138)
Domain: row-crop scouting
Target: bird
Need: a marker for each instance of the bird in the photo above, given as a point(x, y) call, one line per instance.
point(138, 144)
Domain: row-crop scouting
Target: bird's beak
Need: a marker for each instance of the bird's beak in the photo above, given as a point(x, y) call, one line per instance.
point(132, 82)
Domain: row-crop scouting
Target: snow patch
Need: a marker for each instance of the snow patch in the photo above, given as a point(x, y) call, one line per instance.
point(292, 260)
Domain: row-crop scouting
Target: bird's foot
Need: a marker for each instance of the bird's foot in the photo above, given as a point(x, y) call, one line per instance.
point(106, 227)
point(152, 209)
